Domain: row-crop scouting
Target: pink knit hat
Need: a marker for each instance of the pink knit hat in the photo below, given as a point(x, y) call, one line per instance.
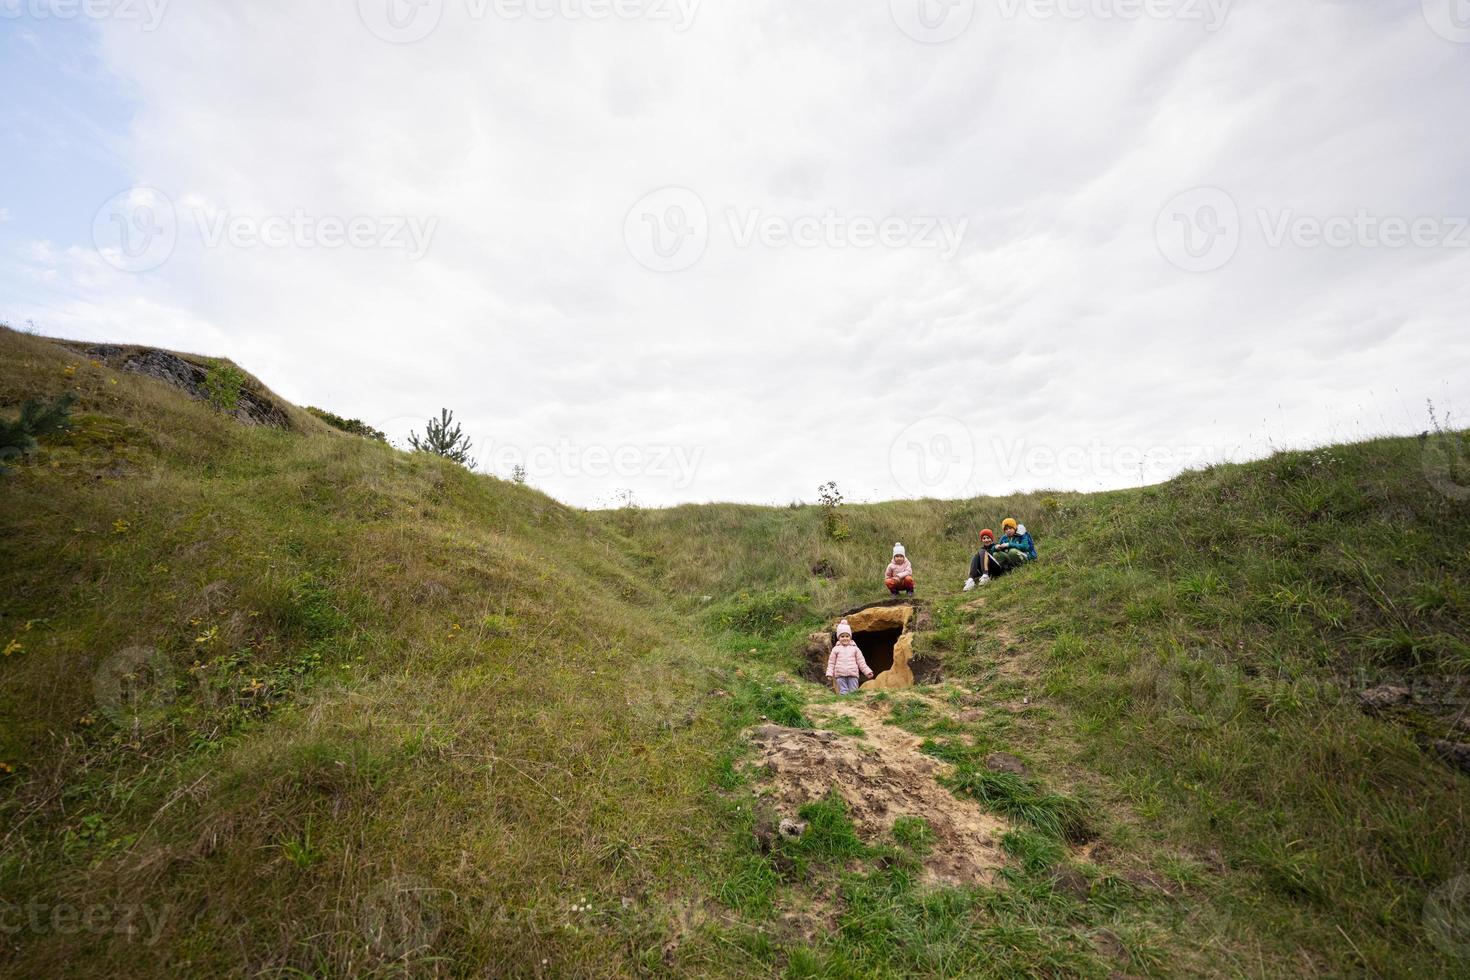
point(842, 627)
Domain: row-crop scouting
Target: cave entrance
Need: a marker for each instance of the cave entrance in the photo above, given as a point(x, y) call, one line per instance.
point(877, 647)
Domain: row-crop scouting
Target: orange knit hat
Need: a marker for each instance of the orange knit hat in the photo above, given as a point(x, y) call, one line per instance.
point(987, 533)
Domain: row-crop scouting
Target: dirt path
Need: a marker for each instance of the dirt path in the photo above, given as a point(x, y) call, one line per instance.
point(882, 775)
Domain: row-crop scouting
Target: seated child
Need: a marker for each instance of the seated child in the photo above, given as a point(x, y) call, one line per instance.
point(846, 661)
point(1014, 549)
point(1013, 536)
point(983, 566)
point(899, 576)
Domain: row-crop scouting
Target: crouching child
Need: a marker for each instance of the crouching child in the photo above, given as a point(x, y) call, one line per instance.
point(899, 576)
point(846, 662)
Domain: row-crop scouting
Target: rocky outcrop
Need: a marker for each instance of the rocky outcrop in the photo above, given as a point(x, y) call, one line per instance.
point(254, 406)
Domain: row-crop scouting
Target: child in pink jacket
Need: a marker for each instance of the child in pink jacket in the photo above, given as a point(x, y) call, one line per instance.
point(899, 576)
point(846, 661)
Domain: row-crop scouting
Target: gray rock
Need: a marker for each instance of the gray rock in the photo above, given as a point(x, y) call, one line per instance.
point(792, 829)
point(254, 407)
point(1383, 697)
point(1456, 754)
point(1004, 762)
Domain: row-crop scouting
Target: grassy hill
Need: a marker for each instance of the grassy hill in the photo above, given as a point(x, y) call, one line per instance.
point(285, 701)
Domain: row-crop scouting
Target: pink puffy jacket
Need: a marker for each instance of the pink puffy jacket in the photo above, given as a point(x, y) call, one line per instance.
point(900, 572)
point(847, 661)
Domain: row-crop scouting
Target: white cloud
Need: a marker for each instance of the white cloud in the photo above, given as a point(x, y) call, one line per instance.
point(1059, 322)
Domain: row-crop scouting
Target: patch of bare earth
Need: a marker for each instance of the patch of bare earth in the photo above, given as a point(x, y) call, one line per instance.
point(882, 776)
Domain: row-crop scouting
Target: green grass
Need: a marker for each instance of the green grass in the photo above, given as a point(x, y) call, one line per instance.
point(308, 705)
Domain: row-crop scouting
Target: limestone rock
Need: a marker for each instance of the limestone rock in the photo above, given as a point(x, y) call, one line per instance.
point(900, 676)
point(878, 618)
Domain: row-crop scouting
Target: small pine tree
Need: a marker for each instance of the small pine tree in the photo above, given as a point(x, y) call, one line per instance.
point(518, 474)
point(37, 418)
point(443, 437)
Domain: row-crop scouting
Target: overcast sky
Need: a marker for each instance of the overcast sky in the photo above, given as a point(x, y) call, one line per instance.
point(731, 250)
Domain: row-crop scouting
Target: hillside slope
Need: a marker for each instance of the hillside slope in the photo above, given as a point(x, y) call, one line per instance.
point(284, 700)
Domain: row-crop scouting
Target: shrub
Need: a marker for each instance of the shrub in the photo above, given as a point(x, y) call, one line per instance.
point(223, 383)
point(356, 427)
point(834, 525)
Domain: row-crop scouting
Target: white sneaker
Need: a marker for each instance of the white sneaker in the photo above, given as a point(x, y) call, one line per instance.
point(969, 584)
point(984, 579)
